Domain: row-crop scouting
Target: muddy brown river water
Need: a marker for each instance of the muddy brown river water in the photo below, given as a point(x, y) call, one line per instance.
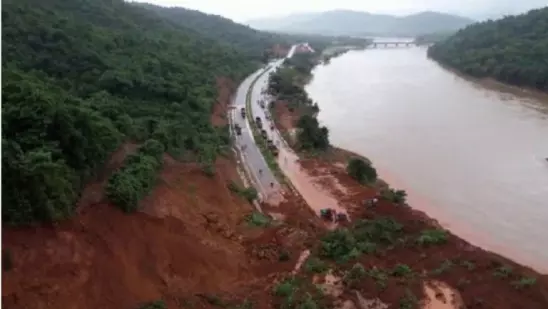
point(472, 157)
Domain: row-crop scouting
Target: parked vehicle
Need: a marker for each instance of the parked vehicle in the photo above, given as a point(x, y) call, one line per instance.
point(327, 214)
point(341, 217)
point(238, 129)
point(272, 147)
point(242, 112)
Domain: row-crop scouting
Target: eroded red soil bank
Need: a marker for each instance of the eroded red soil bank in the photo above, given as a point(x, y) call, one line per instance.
point(479, 285)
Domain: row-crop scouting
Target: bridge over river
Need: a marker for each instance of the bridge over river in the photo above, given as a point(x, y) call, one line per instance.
point(380, 44)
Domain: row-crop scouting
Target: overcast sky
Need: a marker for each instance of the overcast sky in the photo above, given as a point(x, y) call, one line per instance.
point(242, 10)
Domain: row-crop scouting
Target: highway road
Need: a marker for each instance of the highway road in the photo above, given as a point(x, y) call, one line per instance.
point(266, 183)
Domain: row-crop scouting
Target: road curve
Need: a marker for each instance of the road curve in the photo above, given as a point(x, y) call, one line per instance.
point(264, 179)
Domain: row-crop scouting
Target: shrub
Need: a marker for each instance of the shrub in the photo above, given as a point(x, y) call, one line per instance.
point(445, 266)
point(208, 169)
point(354, 275)
point(380, 277)
point(469, 265)
point(283, 256)
point(259, 219)
point(503, 272)
point(361, 170)
point(383, 230)
point(153, 148)
point(524, 282)
point(401, 270)
point(308, 303)
point(250, 193)
point(126, 187)
point(7, 262)
point(338, 244)
point(285, 288)
point(123, 190)
point(409, 301)
point(159, 304)
point(315, 265)
point(394, 196)
point(432, 237)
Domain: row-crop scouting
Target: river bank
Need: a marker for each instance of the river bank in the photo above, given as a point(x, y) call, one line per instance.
point(470, 270)
point(474, 156)
point(454, 258)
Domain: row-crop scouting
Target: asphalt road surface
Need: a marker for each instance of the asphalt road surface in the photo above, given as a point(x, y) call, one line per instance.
point(264, 179)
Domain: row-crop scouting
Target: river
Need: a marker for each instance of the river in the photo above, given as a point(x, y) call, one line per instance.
point(470, 156)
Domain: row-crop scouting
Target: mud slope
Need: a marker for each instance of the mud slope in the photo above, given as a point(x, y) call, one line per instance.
point(184, 241)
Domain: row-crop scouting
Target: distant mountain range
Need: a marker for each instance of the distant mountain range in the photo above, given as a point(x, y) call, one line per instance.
point(345, 22)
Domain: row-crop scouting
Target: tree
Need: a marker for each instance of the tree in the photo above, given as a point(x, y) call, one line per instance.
point(81, 77)
point(512, 49)
point(310, 135)
point(361, 170)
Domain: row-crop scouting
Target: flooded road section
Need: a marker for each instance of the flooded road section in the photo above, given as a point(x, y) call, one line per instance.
point(470, 156)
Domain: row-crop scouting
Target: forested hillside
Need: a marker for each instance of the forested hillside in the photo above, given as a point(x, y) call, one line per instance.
point(512, 50)
point(81, 77)
point(360, 24)
point(224, 30)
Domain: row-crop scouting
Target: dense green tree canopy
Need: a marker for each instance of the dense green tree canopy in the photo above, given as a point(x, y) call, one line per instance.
point(253, 42)
point(80, 77)
point(512, 50)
